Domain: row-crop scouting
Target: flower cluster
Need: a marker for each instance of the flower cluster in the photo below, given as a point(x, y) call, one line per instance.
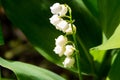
point(59, 11)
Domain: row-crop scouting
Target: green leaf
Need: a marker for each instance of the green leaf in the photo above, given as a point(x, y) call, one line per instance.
point(1, 36)
point(87, 25)
point(25, 71)
point(114, 73)
point(102, 61)
point(98, 57)
point(32, 17)
point(109, 11)
point(113, 42)
point(92, 6)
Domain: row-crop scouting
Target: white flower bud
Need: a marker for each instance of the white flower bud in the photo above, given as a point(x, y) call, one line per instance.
point(61, 40)
point(55, 19)
point(69, 62)
point(59, 50)
point(69, 30)
point(62, 25)
point(63, 10)
point(56, 8)
point(69, 50)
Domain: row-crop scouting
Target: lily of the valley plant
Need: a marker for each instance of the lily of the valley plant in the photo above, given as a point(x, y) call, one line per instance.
point(62, 20)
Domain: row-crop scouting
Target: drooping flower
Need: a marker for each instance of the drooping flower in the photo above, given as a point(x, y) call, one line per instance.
point(69, 50)
point(62, 25)
point(55, 19)
point(59, 9)
point(61, 40)
point(55, 8)
point(69, 62)
point(59, 50)
point(69, 29)
point(63, 10)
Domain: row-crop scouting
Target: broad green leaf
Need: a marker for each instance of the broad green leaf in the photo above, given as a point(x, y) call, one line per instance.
point(92, 5)
point(32, 17)
point(113, 42)
point(109, 11)
point(114, 73)
point(98, 57)
point(102, 61)
point(87, 25)
point(98, 53)
point(25, 71)
point(1, 36)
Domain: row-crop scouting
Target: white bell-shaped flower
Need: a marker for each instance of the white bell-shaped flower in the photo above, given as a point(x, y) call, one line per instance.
point(69, 29)
point(55, 19)
point(69, 62)
point(62, 25)
point(56, 8)
point(61, 40)
point(69, 50)
point(63, 10)
point(59, 50)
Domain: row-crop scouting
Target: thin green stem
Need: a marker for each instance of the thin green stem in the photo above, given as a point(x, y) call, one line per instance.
point(78, 66)
point(76, 46)
point(85, 50)
point(66, 17)
point(77, 58)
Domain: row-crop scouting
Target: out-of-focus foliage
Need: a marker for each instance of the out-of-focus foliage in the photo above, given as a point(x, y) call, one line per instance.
point(114, 72)
point(25, 71)
point(1, 36)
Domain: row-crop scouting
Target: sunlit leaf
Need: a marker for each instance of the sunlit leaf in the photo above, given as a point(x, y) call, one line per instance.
point(113, 42)
point(25, 71)
point(98, 57)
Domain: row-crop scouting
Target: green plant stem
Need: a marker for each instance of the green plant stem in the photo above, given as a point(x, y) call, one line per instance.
point(77, 58)
point(78, 66)
point(76, 46)
point(85, 50)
